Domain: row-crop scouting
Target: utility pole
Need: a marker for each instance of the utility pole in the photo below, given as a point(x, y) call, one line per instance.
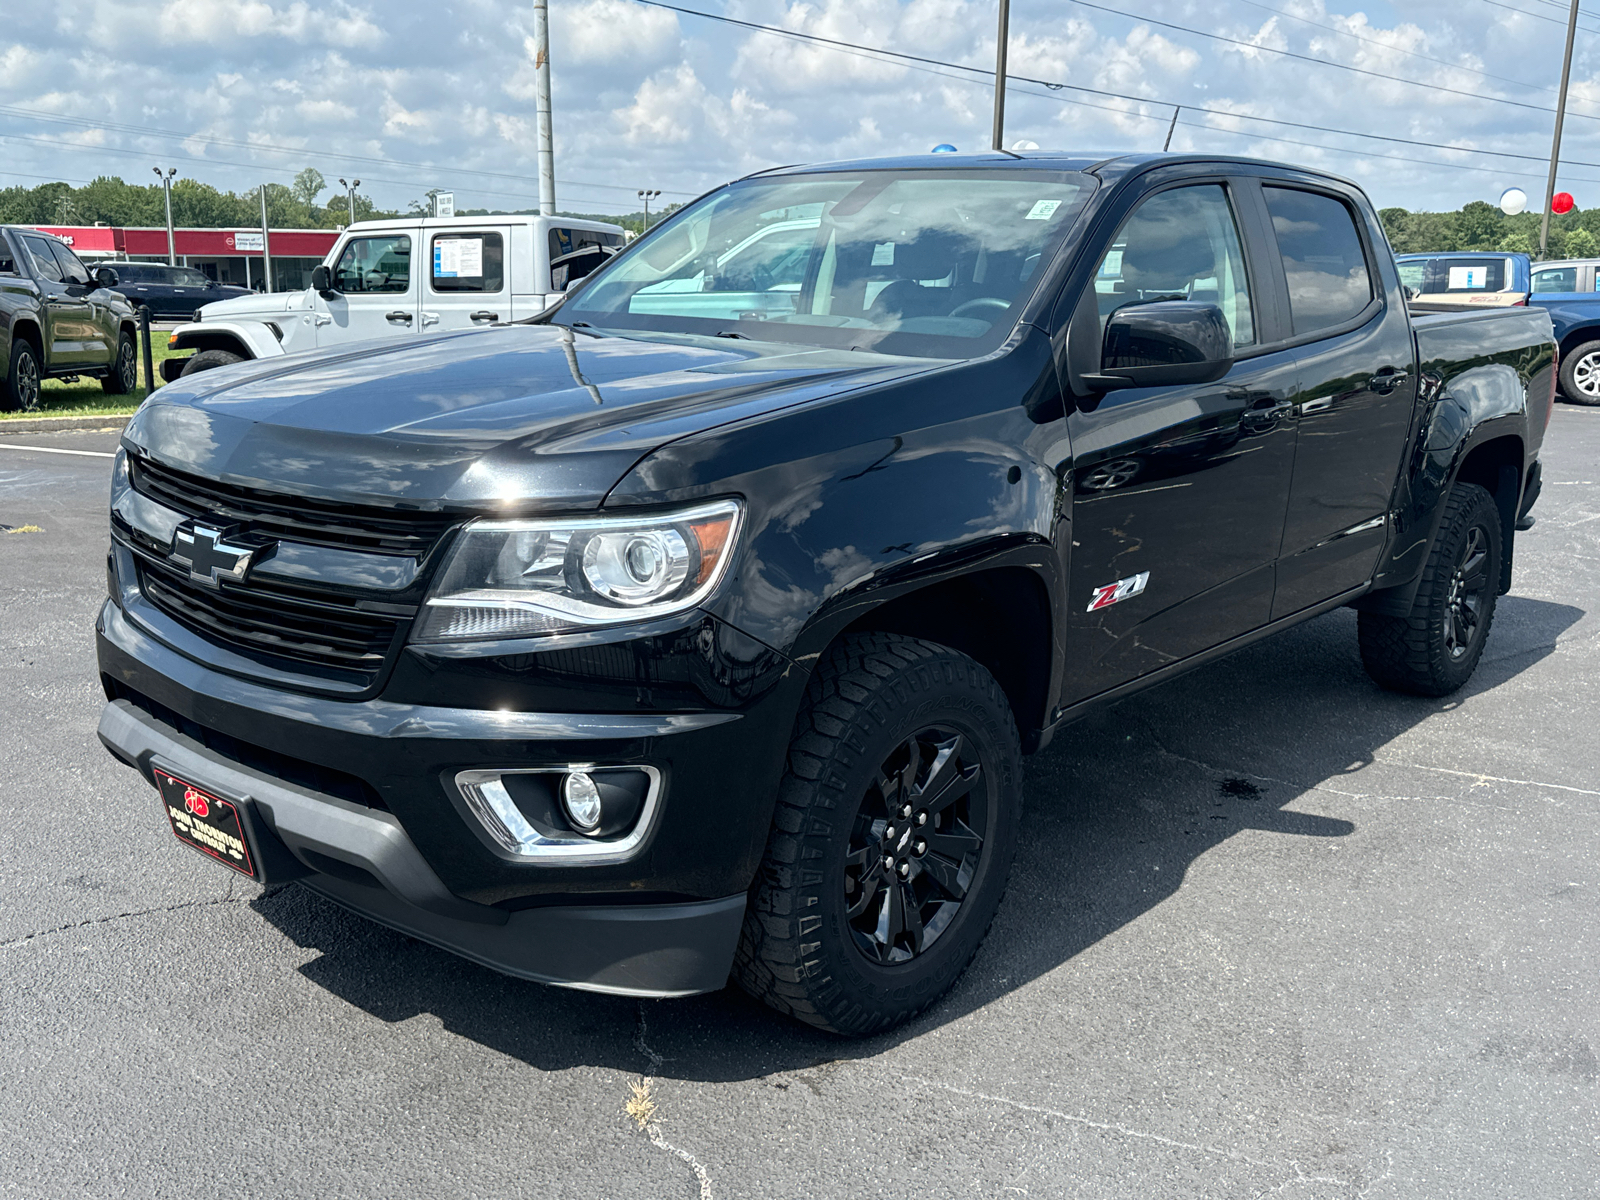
point(1000, 75)
point(266, 244)
point(166, 185)
point(350, 197)
point(646, 194)
point(541, 73)
point(1555, 143)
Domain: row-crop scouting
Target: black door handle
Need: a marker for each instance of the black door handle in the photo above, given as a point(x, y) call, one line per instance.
point(484, 314)
point(1385, 382)
point(397, 317)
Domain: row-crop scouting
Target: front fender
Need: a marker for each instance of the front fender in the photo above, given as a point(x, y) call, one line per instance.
point(248, 339)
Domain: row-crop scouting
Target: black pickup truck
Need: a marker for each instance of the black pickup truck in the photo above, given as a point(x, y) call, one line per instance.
point(59, 321)
point(698, 625)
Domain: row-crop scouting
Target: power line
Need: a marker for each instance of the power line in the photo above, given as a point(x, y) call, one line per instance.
point(1443, 62)
point(1012, 80)
point(1522, 12)
point(173, 134)
point(1321, 62)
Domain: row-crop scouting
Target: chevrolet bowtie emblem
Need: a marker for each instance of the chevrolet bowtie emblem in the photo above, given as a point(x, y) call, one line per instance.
point(210, 556)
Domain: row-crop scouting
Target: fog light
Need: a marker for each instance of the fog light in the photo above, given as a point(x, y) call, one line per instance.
point(581, 801)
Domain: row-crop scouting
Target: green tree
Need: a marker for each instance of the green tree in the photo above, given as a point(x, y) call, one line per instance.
point(1581, 243)
point(308, 185)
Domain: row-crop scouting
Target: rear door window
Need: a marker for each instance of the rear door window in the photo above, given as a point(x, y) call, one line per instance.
point(374, 264)
point(467, 262)
point(1556, 279)
point(1323, 259)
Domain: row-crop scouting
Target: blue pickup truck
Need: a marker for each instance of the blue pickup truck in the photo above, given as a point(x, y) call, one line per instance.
point(1566, 289)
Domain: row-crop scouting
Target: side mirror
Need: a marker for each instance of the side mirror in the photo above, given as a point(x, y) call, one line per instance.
point(322, 281)
point(106, 277)
point(1164, 343)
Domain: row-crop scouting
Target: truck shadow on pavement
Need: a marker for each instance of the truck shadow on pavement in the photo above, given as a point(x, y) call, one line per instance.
point(1117, 810)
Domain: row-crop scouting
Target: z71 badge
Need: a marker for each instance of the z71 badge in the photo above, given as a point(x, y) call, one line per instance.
point(1105, 597)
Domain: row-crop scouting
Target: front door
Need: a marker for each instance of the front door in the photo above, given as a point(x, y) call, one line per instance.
point(1177, 493)
point(467, 281)
point(1357, 387)
point(375, 279)
point(70, 338)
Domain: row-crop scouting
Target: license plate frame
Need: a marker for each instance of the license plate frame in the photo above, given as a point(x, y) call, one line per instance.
point(206, 822)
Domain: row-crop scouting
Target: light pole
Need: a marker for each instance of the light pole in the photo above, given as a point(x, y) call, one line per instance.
point(541, 77)
point(166, 186)
point(1555, 142)
point(647, 195)
point(1000, 75)
point(266, 242)
point(350, 197)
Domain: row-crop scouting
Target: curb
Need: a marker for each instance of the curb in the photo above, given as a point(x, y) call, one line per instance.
point(56, 424)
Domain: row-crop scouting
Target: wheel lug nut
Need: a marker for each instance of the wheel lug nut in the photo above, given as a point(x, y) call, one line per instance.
point(888, 862)
point(919, 847)
point(905, 811)
point(905, 869)
point(922, 818)
point(888, 833)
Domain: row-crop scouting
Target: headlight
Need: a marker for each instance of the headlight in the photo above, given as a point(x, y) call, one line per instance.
point(523, 578)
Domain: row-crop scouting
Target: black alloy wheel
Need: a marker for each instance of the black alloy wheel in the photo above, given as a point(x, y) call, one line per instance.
point(1469, 592)
point(22, 388)
point(893, 834)
point(1116, 473)
point(124, 375)
point(1433, 649)
point(915, 847)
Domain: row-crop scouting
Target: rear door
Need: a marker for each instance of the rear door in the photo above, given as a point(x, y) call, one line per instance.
point(1357, 387)
point(1178, 492)
point(467, 280)
point(376, 281)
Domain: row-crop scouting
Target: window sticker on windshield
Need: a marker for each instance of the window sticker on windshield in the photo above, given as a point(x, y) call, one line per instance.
point(1112, 266)
point(1467, 278)
point(1043, 210)
point(883, 254)
point(455, 258)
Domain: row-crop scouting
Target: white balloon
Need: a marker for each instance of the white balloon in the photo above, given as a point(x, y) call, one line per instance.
point(1025, 144)
point(1513, 201)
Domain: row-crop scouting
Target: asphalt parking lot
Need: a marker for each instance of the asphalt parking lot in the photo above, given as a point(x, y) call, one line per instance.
point(1272, 932)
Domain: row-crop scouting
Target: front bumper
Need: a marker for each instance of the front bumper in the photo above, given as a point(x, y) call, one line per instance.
point(362, 858)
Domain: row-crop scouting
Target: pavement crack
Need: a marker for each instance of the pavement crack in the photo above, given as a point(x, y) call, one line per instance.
point(1299, 1175)
point(642, 1107)
point(227, 898)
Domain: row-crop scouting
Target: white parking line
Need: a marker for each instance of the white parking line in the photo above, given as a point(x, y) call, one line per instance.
point(53, 450)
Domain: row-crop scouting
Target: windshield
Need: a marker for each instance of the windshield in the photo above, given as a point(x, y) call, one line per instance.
point(934, 263)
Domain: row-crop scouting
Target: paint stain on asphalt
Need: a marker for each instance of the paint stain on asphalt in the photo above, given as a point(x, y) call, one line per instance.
point(1234, 786)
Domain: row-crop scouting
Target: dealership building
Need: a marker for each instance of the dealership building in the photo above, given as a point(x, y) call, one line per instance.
point(225, 255)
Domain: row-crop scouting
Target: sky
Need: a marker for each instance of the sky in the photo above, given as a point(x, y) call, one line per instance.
point(409, 96)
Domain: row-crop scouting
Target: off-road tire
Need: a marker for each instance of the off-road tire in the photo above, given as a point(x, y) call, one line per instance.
point(1580, 374)
point(208, 360)
point(1411, 653)
point(872, 692)
point(22, 382)
point(124, 374)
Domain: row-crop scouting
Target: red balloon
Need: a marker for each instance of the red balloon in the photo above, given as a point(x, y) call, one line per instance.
point(1561, 202)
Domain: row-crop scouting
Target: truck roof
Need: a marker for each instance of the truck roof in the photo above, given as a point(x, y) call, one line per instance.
point(478, 222)
point(1113, 163)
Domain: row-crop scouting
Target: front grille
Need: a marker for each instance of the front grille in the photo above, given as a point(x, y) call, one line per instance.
point(259, 620)
point(295, 518)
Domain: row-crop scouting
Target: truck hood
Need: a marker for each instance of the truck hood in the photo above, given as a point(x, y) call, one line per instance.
point(253, 305)
point(535, 416)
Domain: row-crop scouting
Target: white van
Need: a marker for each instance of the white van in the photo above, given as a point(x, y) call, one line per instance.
point(401, 278)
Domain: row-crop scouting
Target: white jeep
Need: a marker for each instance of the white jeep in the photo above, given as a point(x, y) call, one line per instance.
point(374, 284)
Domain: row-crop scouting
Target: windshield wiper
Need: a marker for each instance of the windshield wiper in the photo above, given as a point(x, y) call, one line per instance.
point(728, 333)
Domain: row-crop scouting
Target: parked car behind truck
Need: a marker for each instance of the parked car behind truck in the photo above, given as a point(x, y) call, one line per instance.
point(698, 626)
point(396, 279)
point(58, 320)
point(170, 291)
